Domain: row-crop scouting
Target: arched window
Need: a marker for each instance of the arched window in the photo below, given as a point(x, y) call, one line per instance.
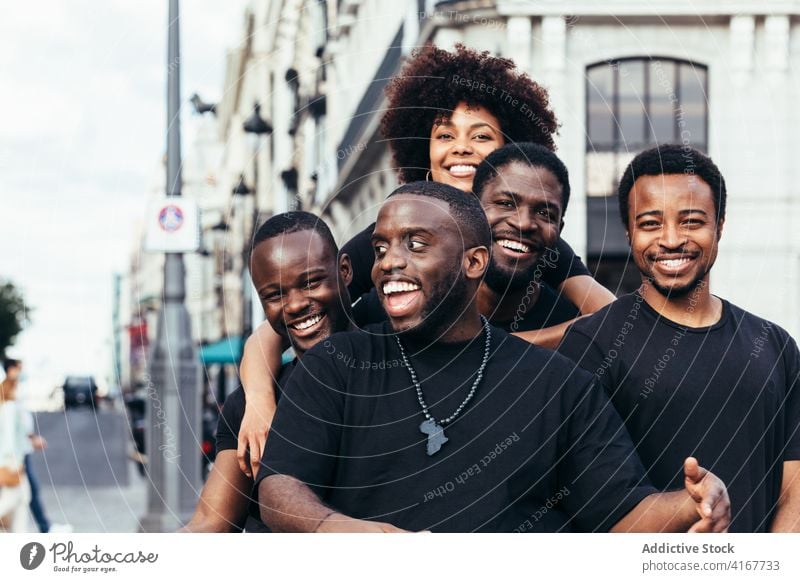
point(633, 104)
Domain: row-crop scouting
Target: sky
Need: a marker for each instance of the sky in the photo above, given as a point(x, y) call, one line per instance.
point(82, 130)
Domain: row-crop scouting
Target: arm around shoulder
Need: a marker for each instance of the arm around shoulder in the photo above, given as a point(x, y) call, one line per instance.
point(567, 273)
point(261, 364)
point(586, 293)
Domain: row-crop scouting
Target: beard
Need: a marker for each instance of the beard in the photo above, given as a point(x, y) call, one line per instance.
point(502, 281)
point(676, 292)
point(446, 303)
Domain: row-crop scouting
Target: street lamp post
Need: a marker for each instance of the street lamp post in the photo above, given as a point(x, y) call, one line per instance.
point(241, 190)
point(173, 431)
point(257, 126)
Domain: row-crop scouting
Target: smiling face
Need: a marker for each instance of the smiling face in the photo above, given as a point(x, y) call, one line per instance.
point(673, 231)
point(423, 269)
point(524, 207)
point(302, 287)
point(460, 143)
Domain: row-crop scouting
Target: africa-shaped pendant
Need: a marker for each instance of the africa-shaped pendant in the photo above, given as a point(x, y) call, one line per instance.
point(435, 434)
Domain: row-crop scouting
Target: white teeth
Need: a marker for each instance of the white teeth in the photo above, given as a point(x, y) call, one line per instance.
point(398, 287)
point(673, 262)
point(459, 169)
point(514, 245)
point(306, 323)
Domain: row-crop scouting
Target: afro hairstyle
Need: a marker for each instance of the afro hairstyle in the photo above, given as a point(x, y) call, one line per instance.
point(432, 84)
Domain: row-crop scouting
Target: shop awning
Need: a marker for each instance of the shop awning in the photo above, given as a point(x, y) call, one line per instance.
point(226, 351)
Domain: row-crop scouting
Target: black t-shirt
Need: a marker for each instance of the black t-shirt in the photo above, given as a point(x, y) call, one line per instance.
point(550, 309)
point(727, 394)
point(228, 425)
point(539, 448)
point(359, 249)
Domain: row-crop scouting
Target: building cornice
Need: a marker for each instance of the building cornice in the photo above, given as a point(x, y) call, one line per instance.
point(638, 7)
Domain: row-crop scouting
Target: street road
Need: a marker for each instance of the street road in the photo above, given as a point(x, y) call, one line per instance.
point(85, 474)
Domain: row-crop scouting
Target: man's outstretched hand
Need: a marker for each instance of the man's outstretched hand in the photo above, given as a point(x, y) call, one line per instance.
point(710, 496)
point(253, 433)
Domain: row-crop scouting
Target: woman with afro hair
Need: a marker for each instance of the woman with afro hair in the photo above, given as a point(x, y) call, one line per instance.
point(446, 112)
point(436, 84)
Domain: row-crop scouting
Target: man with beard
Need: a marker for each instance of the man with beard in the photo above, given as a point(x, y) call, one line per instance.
point(439, 421)
point(689, 372)
point(524, 190)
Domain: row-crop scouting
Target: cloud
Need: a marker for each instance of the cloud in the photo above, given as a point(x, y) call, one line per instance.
point(82, 111)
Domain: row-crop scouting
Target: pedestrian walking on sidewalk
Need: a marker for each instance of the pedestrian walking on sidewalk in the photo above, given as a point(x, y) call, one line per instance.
point(14, 444)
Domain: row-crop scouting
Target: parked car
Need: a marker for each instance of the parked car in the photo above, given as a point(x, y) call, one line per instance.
point(80, 391)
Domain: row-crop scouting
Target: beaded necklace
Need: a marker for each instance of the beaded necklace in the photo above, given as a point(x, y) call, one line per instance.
point(430, 426)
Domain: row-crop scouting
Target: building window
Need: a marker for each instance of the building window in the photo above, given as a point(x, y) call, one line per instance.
point(633, 104)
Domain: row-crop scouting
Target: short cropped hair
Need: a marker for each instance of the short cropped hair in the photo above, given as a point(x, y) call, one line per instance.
point(530, 154)
point(295, 221)
point(464, 207)
point(673, 159)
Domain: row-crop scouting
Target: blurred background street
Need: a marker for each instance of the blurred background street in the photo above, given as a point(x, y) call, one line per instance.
point(86, 474)
point(280, 108)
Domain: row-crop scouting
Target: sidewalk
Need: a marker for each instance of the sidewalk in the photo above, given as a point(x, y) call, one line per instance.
point(107, 509)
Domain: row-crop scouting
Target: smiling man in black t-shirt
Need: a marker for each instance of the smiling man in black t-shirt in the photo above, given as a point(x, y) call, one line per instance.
point(439, 421)
point(302, 284)
point(689, 372)
point(524, 190)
